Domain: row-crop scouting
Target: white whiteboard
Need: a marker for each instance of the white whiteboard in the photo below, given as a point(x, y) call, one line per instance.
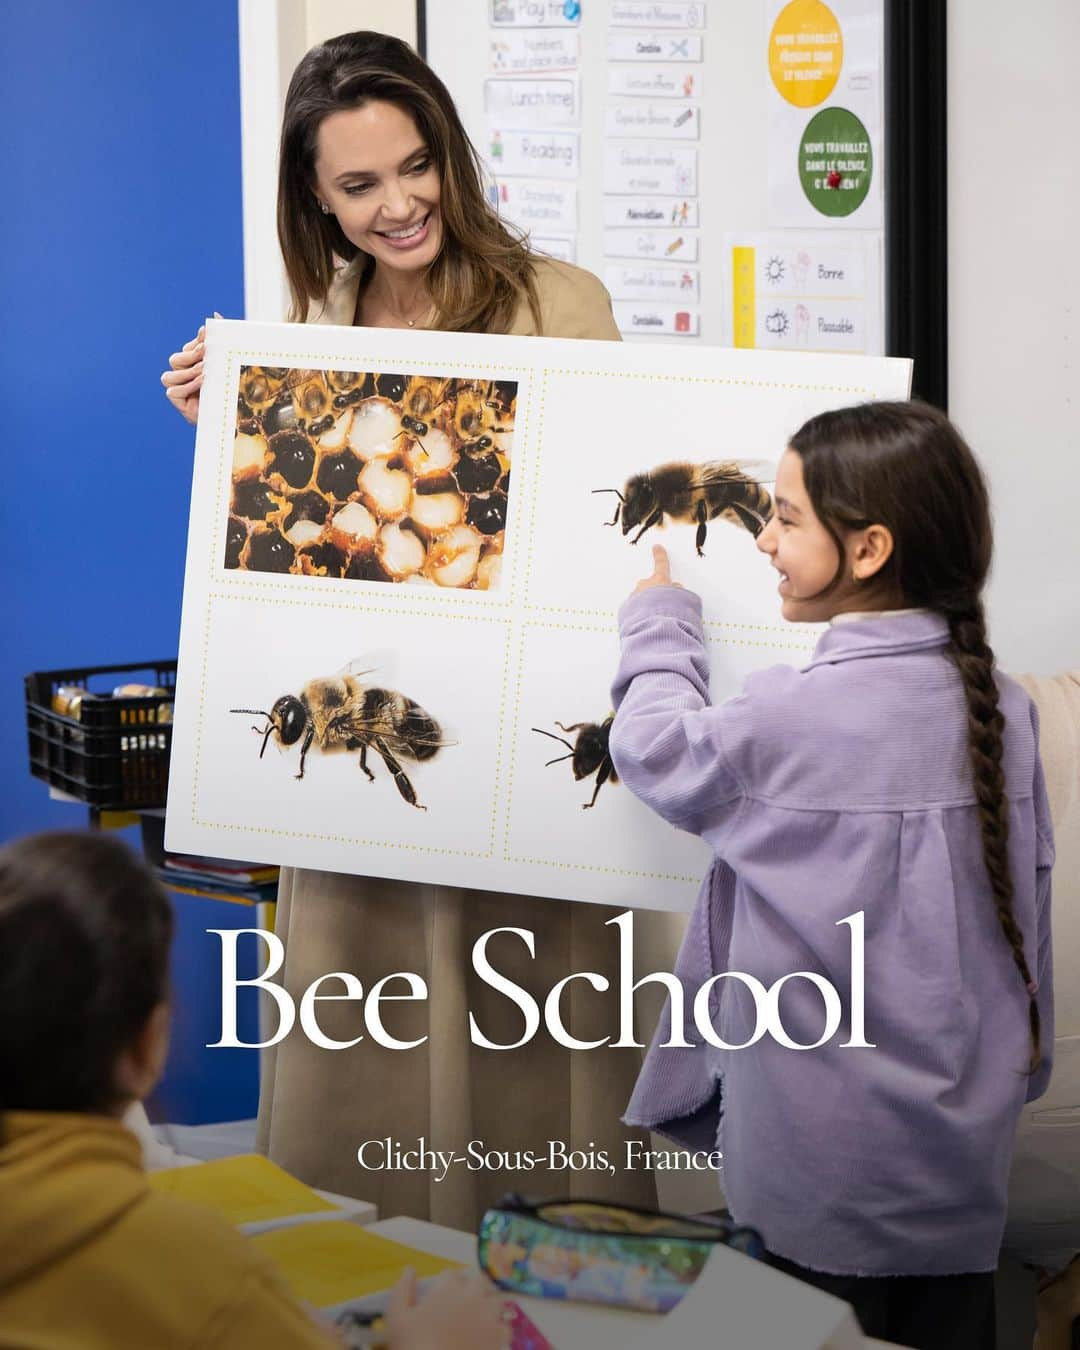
point(734, 98)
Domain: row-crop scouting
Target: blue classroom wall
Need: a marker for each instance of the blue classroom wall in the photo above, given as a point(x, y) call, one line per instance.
point(120, 231)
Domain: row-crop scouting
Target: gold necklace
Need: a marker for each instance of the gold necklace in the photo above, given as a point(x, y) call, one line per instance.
point(411, 323)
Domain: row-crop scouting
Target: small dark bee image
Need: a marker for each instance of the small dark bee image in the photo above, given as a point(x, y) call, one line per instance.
point(693, 493)
point(342, 713)
point(589, 753)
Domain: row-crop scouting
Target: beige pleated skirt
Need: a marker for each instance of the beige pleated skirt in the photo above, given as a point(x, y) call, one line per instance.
point(317, 1107)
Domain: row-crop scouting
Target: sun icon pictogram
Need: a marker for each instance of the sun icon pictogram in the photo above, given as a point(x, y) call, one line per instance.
point(777, 322)
point(774, 270)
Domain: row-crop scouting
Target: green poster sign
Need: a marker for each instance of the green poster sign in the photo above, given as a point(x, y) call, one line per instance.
point(835, 162)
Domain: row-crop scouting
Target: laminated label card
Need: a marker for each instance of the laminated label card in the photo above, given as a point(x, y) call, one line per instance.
point(535, 13)
point(547, 154)
point(677, 284)
point(679, 121)
point(406, 555)
point(654, 47)
point(647, 168)
point(543, 204)
point(533, 53)
point(676, 245)
point(526, 103)
point(649, 320)
point(653, 211)
point(655, 81)
point(657, 14)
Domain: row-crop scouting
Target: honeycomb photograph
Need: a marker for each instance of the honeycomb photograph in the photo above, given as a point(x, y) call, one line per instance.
point(371, 477)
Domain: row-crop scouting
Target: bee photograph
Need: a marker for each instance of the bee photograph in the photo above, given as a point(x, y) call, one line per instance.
point(329, 727)
point(690, 467)
point(567, 808)
point(339, 712)
point(371, 476)
point(588, 753)
point(695, 494)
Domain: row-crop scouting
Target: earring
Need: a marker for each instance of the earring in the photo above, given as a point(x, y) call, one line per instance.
point(324, 208)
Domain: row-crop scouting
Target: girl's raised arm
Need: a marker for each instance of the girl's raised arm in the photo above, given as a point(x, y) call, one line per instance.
point(665, 741)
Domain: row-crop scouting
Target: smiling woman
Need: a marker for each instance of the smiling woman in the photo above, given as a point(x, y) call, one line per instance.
point(376, 171)
point(383, 221)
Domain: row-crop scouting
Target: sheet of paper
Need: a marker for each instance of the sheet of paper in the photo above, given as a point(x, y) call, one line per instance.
point(759, 1308)
point(245, 1189)
point(542, 154)
point(464, 560)
point(328, 1264)
point(533, 52)
point(824, 65)
point(677, 121)
point(648, 168)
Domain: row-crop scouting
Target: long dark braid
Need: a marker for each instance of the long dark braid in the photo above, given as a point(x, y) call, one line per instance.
point(905, 466)
point(973, 658)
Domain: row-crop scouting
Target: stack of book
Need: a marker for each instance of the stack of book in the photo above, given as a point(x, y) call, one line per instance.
point(218, 879)
point(249, 883)
point(328, 1257)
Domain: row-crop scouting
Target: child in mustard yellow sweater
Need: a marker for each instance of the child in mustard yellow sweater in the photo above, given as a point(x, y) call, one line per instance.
point(90, 1256)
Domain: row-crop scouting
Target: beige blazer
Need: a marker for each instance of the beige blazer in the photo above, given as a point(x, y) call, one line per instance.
point(1044, 1189)
point(573, 303)
point(316, 1107)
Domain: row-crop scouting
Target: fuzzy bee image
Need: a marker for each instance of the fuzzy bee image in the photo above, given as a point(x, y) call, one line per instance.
point(695, 493)
point(367, 476)
point(341, 713)
point(588, 754)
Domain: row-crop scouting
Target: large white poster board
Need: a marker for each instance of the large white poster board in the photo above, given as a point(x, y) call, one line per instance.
point(398, 557)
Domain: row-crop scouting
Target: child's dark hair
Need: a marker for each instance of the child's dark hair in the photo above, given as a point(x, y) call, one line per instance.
point(905, 466)
point(85, 929)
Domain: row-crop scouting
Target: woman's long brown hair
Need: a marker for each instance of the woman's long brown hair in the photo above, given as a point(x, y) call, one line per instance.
point(483, 273)
point(905, 466)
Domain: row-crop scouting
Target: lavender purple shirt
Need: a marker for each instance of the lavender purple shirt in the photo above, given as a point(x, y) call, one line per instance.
point(841, 787)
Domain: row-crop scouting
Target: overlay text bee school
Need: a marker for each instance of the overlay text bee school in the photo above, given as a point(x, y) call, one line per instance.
point(329, 987)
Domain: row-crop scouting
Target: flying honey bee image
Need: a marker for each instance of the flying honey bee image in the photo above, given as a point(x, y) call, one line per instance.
point(588, 754)
point(341, 713)
point(371, 476)
point(695, 493)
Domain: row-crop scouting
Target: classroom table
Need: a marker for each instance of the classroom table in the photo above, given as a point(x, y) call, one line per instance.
point(569, 1326)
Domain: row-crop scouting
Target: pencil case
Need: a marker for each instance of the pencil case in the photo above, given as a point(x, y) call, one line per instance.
point(590, 1252)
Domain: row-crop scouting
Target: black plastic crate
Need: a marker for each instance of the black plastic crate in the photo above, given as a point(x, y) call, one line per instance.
point(115, 754)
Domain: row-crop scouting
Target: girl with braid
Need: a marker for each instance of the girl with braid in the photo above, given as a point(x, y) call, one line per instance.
point(896, 776)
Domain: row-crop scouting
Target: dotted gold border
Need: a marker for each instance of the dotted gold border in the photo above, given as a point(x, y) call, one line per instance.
point(236, 362)
point(513, 613)
point(538, 476)
point(394, 612)
point(527, 626)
